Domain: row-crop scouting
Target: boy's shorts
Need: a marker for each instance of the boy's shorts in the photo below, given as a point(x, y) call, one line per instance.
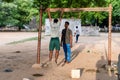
point(54, 43)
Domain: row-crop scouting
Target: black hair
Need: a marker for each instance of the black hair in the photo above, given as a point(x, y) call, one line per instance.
point(67, 22)
point(55, 20)
point(76, 26)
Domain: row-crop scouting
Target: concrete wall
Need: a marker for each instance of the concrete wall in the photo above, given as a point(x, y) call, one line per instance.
point(84, 30)
point(73, 24)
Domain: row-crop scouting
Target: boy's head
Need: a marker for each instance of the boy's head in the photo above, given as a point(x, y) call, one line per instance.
point(55, 20)
point(66, 24)
point(76, 26)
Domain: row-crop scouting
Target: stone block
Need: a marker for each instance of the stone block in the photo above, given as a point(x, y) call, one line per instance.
point(75, 73)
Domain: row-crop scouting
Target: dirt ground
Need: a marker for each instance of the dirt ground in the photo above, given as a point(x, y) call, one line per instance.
point(89, 55)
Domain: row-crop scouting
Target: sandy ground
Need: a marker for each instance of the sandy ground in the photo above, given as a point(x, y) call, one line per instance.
point(89, 55)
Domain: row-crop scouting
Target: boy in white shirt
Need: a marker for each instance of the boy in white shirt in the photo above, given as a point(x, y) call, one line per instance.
point(77, 34)
point(55, 32)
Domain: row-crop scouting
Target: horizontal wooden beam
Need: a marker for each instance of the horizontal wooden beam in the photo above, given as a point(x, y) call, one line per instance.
point(79, 9)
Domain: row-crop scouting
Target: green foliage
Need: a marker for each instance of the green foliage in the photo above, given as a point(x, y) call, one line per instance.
point(74, 4)
point(23, 12)
point(8, 1)
point(20, 12)
point(116, 11)
point(7, 14)
point(17, 13)
point(38, 3)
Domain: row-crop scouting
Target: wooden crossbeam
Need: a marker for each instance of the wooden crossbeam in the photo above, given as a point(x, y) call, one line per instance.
point(79, 9)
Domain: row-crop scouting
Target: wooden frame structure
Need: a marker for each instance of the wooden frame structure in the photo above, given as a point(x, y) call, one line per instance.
point(106, 9)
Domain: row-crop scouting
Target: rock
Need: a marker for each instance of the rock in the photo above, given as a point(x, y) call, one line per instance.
point(8, 70)
point(88, 51)
point(17, 51)
point(75, 73)
point(36, 66)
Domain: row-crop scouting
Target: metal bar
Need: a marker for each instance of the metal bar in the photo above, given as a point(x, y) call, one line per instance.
point(39, 37)
point(109, 35)
point(79, 9)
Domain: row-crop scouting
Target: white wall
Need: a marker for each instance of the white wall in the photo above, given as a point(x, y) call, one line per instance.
point(72, 25)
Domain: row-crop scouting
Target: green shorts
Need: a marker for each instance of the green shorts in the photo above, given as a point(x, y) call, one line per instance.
point(54, 43)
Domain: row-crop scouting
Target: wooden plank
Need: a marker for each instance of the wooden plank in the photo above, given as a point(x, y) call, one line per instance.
point(79, 9)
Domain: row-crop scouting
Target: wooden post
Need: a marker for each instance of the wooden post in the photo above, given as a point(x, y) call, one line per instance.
point(109, 35)
point(39, 37)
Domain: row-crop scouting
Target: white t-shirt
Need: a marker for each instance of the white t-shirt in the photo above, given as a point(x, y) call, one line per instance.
point(55, 29)
point(77, 31)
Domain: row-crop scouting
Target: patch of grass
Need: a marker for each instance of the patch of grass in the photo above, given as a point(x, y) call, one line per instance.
point(24, 40)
